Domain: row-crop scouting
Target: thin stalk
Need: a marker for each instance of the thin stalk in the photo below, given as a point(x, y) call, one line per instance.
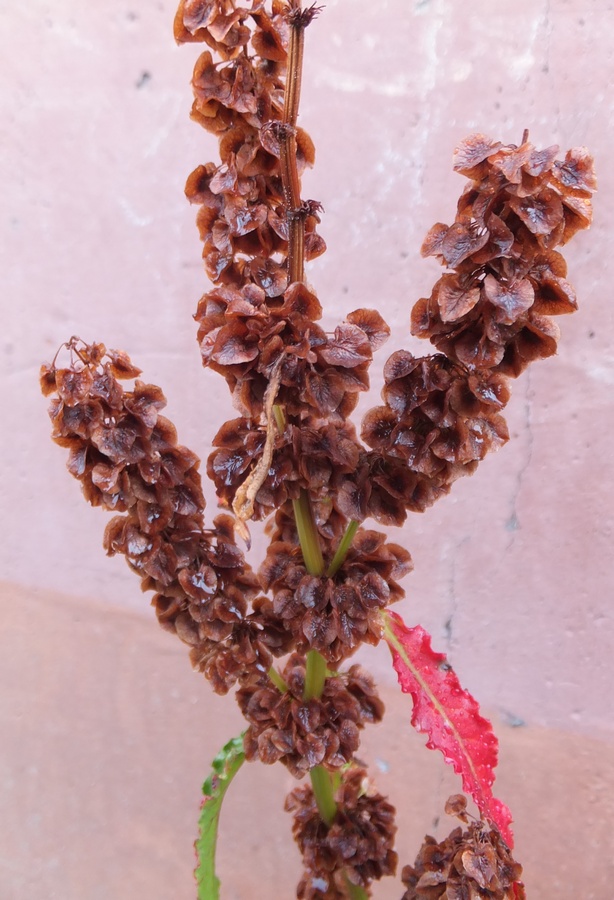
point(292, 94)
point(296, 245)
point(280, 418)
point(277, 680)
point(342, 549)
point(295, 212)
point(355, 892)
point(323, 793)
point(315, 676)
point(308, 534)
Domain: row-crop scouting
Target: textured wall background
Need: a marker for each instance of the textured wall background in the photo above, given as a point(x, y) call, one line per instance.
point(513, 571)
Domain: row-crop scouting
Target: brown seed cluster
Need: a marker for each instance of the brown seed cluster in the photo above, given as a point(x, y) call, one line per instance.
point(306, 733)
point(333, 615)
point(126, 456)
point(474, 864)
point(313, 455)
point(493, 310)
point(439, 421)
point(357, 846)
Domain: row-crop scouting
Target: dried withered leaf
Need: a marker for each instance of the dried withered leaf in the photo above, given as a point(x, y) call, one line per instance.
point(243, 503)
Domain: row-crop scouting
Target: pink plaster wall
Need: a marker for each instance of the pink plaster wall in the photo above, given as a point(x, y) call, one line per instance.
point(513, 571)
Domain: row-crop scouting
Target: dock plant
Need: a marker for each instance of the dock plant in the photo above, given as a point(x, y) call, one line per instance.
point(279, 640)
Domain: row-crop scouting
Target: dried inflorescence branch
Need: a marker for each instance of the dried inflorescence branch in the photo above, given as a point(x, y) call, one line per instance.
point(490, 316)
point(126, 456)
point(493, 311)
point(247, 321)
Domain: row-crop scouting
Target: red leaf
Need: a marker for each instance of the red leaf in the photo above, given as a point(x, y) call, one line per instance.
point(449, 715)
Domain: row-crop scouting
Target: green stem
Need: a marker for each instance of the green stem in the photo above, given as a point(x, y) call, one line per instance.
point(277, 680)
point(342, 549)
point(315, 676)
point(280, 418)
point(323, 793)
point(308, 534)
point(355, 891)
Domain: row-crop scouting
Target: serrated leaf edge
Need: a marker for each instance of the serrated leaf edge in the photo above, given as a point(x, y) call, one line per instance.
point(224, 767)
point(485, 800)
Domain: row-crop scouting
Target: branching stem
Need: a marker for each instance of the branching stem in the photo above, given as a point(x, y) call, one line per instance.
point(355, 892)
point(342, 549)
point(308, 534)
point(277, 680)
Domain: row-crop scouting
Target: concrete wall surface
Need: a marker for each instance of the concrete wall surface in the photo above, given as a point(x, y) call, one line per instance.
point(106, 733)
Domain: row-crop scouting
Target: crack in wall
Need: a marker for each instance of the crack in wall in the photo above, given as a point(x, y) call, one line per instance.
point(513, 523)
point(547, 36)
point(548, 31)
point(451, 592)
